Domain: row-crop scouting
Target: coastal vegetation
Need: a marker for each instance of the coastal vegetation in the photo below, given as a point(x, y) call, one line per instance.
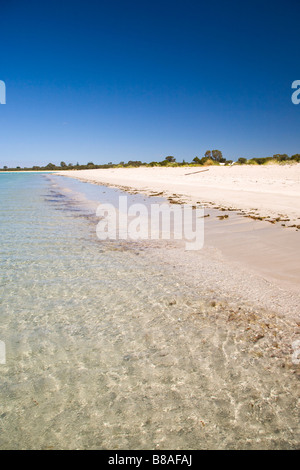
point(211, 157)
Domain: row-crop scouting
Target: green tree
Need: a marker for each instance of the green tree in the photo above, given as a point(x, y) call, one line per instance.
point(132, 163)
point(170, 159)
point(50, 166)
point(217, 156)
point(63, 164)
point(281, 157)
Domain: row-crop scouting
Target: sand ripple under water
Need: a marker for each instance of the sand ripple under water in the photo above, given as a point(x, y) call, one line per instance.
point(113, 346)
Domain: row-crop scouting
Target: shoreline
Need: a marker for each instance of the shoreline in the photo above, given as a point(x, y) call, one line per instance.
point(242, 241)
point(237, 292)
point(270, 192)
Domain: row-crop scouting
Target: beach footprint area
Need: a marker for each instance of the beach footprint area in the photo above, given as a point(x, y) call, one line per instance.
point(121, 345)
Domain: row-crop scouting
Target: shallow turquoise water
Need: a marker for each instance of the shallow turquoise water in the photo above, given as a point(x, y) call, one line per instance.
point(98, 354)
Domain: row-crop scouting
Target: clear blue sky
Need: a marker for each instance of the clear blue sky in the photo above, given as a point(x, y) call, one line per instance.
point(113, 80)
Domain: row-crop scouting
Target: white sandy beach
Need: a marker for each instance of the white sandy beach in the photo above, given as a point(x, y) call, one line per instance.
point(271, 190)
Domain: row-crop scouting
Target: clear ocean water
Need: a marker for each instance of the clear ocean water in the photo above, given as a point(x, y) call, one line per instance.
point(97, 354)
